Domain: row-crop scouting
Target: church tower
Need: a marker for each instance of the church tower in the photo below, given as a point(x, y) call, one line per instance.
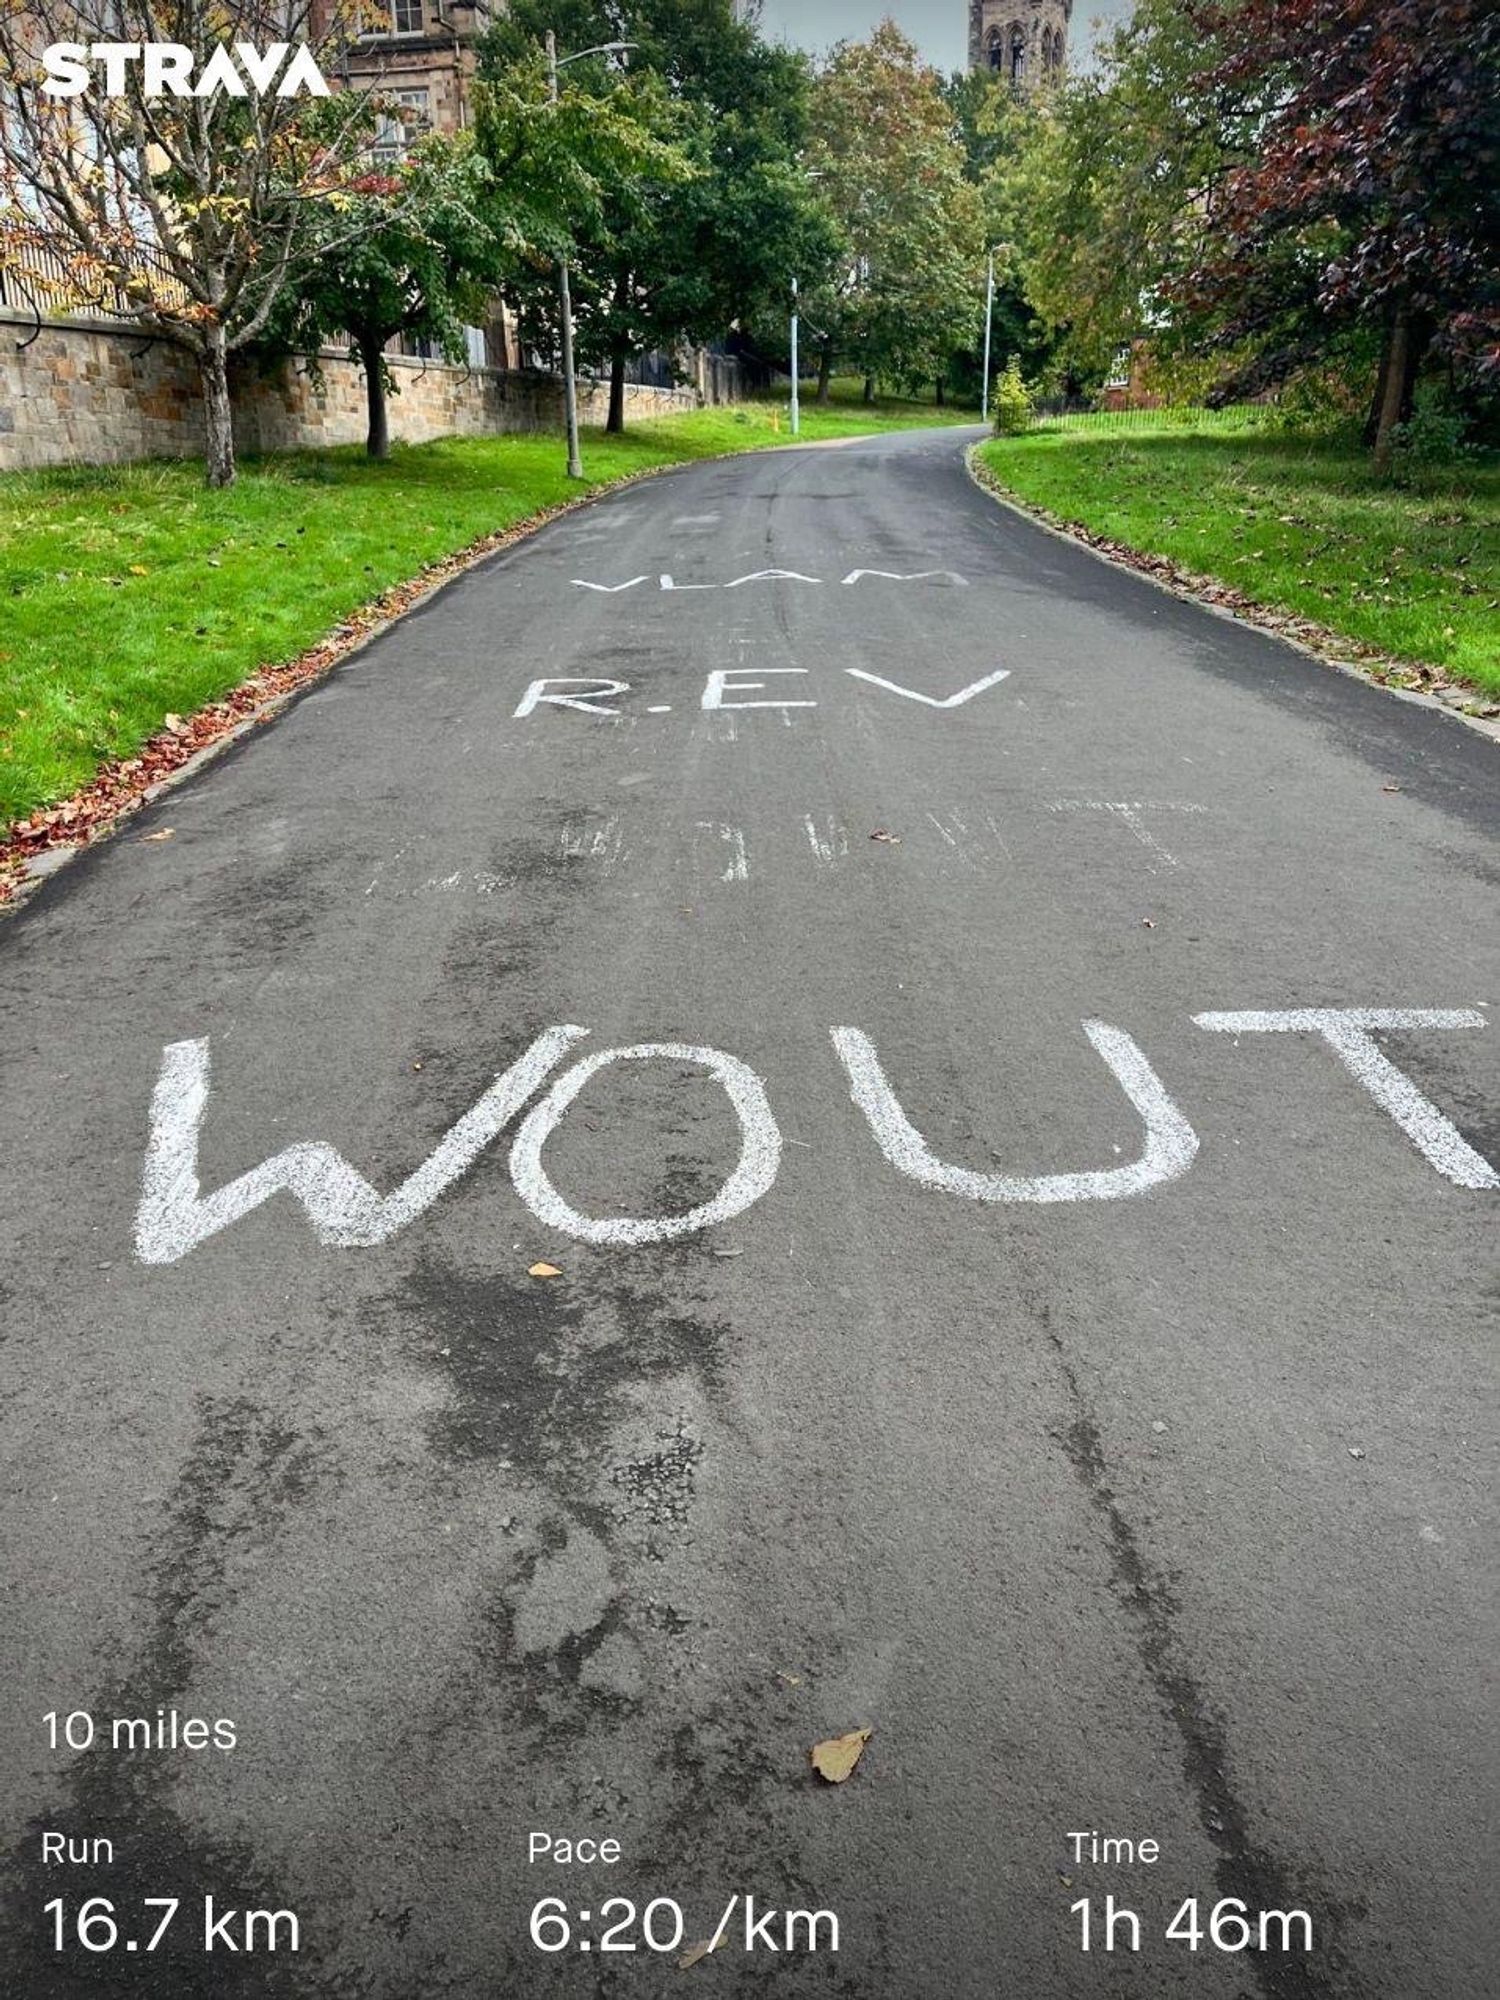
point(1024, 40)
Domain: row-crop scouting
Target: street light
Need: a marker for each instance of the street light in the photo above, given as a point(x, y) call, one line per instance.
point(796, 371)
point(989, 316)
point(564, 290)
point(816, 174)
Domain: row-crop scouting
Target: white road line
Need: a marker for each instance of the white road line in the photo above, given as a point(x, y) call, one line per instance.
point(829, 846)
point(593, 840)
point(174, 1216)
point(932, 701)
point(1170, 1147)
point(737, 868)
point(1348, 1032)
point(755, 1173)
point(1129, 811)
point(909, 576)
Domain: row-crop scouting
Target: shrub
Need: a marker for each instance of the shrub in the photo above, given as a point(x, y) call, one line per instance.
point(1434, 436)
point(1012, 402)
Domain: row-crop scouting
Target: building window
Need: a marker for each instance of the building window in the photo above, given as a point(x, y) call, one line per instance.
point(1017, 56)
point(406, 115)
point(406, 17)
point(995, 51)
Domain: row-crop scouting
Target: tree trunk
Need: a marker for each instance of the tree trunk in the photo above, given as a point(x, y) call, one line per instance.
point(218, 418)
point(825, 370)
point(616, 423)
point(869, 388)
point(378, 433)
point(1377, 402)
point(940, 386)
point(1406, 342)
point(619, 355)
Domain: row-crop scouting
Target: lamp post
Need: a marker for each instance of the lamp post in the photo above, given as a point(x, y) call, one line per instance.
point(796, 371)
point(564, 289)
point(989, 316)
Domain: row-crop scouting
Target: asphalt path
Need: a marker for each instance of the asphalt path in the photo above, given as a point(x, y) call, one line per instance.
point(1093, 1402)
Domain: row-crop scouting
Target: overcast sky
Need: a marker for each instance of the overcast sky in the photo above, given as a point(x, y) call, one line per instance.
point(940, 28)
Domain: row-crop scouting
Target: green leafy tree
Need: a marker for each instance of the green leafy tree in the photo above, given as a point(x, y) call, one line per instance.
point(431, 247)
point(1104, 191)
point(1371, 200)
point(998, 128)
point(890, 166)
point(188, 215)
point(714, 216)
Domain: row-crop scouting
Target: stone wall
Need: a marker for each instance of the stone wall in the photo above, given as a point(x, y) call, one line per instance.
point(90, 392)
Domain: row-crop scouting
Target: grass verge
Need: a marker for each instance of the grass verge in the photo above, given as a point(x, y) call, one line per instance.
point(131, 594)
point(1302, 527)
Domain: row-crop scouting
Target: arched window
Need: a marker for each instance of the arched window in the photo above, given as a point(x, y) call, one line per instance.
point(1017, 54)
point(995, 50)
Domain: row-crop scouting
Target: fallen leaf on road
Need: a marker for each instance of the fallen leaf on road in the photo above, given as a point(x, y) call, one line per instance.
point(544, 1271)
point(1148, 923)
point(1390, 788)
point(789, 1680)
point(835, 1758)
point(1356, 1451)
point(695, 1954)
point(165, 834)
point(890, 839)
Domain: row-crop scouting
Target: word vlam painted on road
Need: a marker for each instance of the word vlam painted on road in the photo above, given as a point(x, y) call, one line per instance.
point(176, 1215)
point(670, 583)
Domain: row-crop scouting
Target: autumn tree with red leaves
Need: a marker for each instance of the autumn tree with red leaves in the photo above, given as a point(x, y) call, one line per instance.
point(1372, 199)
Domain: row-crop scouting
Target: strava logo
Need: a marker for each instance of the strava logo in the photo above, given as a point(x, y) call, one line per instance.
point(169, 69)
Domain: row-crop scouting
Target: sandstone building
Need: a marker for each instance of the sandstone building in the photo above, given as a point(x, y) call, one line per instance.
point(1025, 41)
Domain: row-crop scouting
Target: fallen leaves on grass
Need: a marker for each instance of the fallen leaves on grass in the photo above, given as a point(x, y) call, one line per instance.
point(834, 1759)
point(123, 784)
point(1337, 648)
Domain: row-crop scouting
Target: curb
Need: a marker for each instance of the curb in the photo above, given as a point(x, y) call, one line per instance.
point(1259, 616)
point(24, 868)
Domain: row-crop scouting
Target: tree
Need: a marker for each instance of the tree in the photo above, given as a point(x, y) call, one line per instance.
point(679, 246)
point(890, 167)
point(431, 246)
point(187, 212)
point(1372, 199)
point(1101, 192)
point(1000, 130)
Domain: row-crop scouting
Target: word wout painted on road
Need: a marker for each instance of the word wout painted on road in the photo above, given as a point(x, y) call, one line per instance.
point(345, 1211)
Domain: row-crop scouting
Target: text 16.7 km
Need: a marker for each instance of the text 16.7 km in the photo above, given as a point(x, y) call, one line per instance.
point(99, 1926)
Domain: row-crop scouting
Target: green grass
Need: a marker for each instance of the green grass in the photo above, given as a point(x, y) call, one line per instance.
point(130, 593)
point(1299, 525)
